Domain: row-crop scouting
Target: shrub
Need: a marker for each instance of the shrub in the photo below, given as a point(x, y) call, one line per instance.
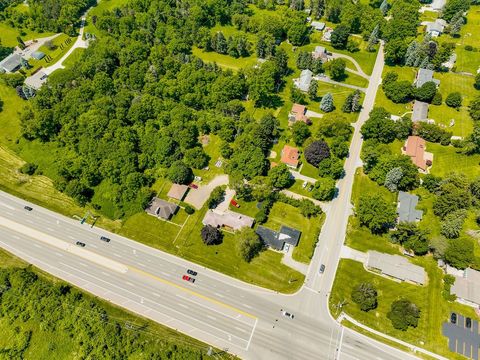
point(211, 235)
point(28, 168)
point(403, 313)
point(316, 152)
point(437, 99)
point(454, 100)
point(365, 295)
point(189, 210)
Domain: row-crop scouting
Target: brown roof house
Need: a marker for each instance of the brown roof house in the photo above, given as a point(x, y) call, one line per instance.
point(320, 53)
point(177, 191)
point(290, 156)
point(415, 147)
point(298, 114)
point(161, 208)
point(227, 219)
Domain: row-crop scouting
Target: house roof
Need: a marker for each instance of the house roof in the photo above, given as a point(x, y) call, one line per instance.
point(290, 155)
point(38, 55)
point(177, 191)
point(396, 266)
point(318, 25)
point(36, 80)
point(277, 240)
point(298, 112)
point(420, 111)
point(305, 80)
point(438, 4)
point(228, 219)
point(11, 63)
point(406, 209)
point(468, 286)
point(415, 148)
point(161, 208)
point(298, 109)
point(425, 75)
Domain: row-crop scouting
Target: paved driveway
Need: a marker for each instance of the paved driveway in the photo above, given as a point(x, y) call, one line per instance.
point(198, 197)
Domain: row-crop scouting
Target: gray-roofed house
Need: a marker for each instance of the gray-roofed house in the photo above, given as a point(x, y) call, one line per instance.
point(450, 63)
point(424, 76)
point(277, 240)
point(161, 208)
point(420, 111)
point(396, 266)
point(320, 53)
point(438, 5)
point(38, 55)
point(406, 208)
point(227, 219)
point(11, 63)
point(436, 27)
point(317, 25)
point(467, 287)
point(303, 82)
point(177, 191)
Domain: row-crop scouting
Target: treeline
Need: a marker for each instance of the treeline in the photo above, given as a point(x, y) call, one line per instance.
point(46, 15)
point(136, 102)
point(69, 324)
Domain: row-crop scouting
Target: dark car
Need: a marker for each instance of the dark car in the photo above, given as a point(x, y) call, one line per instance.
point(28, 208)
point(104, 238)
point(453, 318)
point(287, 314)
point(79, 243)
point(191, 272)
point(322, 269)
point(193, 186)
point(468, 323)
point(188, 278)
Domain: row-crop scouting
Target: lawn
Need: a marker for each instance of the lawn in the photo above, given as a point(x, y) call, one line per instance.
point(101, 7)
point(225, 61)
point(212, 149)
point(434, 309)
point(447, 159)
point(284, 214)
point(56, 54)
point(8, 34)
point(74, 57)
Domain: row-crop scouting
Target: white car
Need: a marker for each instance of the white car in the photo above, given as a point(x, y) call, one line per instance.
point(287, 314)
point(287, 247)
point(304, 185)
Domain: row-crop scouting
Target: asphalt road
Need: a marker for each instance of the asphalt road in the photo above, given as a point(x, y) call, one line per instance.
point(217, 309)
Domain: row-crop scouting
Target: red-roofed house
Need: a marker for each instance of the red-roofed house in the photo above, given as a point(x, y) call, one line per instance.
point(415, 147)
point(298, 114)
point(290, 156)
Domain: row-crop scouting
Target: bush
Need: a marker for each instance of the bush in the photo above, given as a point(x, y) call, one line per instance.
point(211, 235)
point(316, 152)
point(468, 47)
point(437, 99)
point(28, 168)
point(189, 210)
point(454, 100)
point(403, 313)
point(324, 189)
point(365, 295)
point(216, 197)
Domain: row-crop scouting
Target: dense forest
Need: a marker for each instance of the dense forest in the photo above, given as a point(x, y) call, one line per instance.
point(33, 309)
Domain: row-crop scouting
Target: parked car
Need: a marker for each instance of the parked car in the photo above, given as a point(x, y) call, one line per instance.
point(28, 208)
point(468, 323)
point(234, 203)
point(193, 186)
point(287, 247)
point(304, 185)
point(104, 238)
point(79, 243)
point(188, 278)
point(322, 269)
point(453, 318)
point(287, 314)
point(192, 272)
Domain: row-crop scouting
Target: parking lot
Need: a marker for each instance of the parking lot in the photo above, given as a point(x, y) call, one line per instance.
point(461, 338)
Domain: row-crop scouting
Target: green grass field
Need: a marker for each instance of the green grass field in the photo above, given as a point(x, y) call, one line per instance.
point(8, 35)
point(447, 159)
point(225, 61)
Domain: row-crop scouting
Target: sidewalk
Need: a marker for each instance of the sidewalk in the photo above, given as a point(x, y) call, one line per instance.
point(288, 260)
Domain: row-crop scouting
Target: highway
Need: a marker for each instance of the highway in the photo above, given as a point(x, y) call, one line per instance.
point(229, 314)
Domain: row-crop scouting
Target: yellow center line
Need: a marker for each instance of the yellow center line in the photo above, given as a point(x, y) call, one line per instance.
point(191, 292)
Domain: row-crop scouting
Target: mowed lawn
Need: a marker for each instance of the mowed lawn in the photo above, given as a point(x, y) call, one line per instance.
point(470, 35)
point(225, 61)
point(447, 159)
point(434, 309)
point(8, 34)
point(284, 214)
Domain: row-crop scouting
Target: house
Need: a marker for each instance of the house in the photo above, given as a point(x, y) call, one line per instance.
point(318, 26)
point(11, 63)
point(424, 76)
point(436, 27)
point(161, 208)
point(36, 80)
point(450, 63)
point(277, 240)
point(327, 34)
point(406, 208)
point(420, 111)
point(415, 148)
point(227, 219)
point(438, 5)
point(290, 156)
point(303, 82)
point(320, 53)
point(396, 266)
point(467, 287)
point(177, 191)
point(37, 55)
point(298, 114)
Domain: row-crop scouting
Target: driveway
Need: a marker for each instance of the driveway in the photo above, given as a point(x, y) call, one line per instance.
point(198, 197)
point(327, 80)
point(357, 65)
point(223, 206)
point(349, 253)
point(32, 46)
point(296, 265)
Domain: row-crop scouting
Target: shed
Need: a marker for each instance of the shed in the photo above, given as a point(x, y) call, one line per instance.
point(317, 25)
point(37, 55)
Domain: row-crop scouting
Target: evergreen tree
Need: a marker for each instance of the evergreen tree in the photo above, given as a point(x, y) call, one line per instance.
point(327, 103)
point(221, 45)
point(261, 47)
point(384, 7)
point(356, 106)
point(297, 4)
point(372, 41)
point(347, 105)
point(318, 8)
point(424, 63)
point(410, 55)
point(392, 178)
point(456, 26)
point(312, 89)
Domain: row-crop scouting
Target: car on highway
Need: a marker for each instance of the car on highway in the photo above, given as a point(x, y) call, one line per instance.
point(188, 278)
point(322, 269)
point(453, 318)
point(79, 243)
point(104, 238)
point(287, 314)
point(192, 272)
point(28, 208)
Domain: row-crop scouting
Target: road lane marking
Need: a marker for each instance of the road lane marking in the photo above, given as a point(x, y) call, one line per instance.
point(183, 305)
point(251, 335)
point(7, 206)
point(219, 295)
point(128, 283)
point(211, 317)
point(189, 291)
point(115, 254)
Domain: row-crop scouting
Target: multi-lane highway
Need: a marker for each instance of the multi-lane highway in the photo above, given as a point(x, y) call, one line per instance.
point(217, 309)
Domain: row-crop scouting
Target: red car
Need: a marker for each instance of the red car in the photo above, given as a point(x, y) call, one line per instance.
point(193, 186)
point(234, 203)
point(188, 278)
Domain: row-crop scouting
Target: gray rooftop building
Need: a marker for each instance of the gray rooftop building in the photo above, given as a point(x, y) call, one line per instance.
point(396, 266)
point(11, 63)
point(161, 208)
point(420, 111)
point(406, 208)
point(424, 76)
point(303, 83)
point(277, 240)
point(317, 25)
point(467, 288)
point(438, 4)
